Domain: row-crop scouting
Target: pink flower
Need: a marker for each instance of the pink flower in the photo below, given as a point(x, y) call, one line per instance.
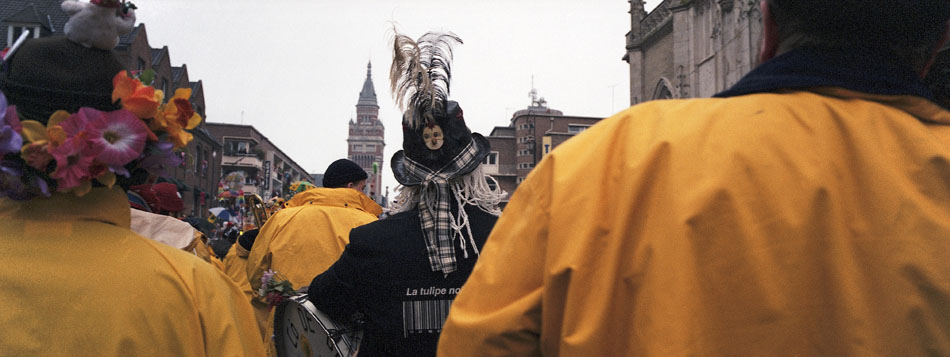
point(119, 134)
point(76, 123)
point(73, 160)
point(266, 277)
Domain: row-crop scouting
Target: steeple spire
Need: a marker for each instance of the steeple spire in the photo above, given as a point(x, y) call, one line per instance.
point(368, 94)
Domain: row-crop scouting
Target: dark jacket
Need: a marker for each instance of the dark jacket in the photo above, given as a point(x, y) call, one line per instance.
point(384, 274)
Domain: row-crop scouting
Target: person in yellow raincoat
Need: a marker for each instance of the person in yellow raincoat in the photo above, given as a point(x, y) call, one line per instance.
point(235, 263)
point(303, 239)
point(76, 280)
point(804, 211)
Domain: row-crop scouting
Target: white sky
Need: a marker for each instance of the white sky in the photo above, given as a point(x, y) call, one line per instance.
point(295, 67)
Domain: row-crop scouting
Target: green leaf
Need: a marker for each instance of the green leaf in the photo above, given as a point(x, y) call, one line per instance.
point(147, 77)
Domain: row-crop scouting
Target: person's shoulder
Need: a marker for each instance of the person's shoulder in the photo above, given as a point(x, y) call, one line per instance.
point(386, 229)
point(164, 257)
point(642, 127)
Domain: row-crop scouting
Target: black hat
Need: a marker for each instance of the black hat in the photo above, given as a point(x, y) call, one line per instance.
point(54, 73)
point(341, 172)
point(435, 153)
point(434, 132)
point(247, 239)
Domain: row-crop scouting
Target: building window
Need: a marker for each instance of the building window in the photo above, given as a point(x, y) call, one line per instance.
point(576, 129)
point(199, 156)
point(204, 164)
point(357, 148)
point(141, 65)
point(519, 180)
point(370, 148)
point(491, 159)
point(14, 32)
point(165, 87)
point(237, 147)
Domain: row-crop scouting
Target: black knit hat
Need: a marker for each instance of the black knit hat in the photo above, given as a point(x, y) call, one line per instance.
point(341, 172)
point(49, 74)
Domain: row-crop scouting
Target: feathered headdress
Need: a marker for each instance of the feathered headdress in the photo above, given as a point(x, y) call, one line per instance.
point(420, 75)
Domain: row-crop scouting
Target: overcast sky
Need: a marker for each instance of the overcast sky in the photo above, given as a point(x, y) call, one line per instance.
point(294, 68)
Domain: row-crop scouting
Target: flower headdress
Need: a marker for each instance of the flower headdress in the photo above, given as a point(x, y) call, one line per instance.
point(74, 151)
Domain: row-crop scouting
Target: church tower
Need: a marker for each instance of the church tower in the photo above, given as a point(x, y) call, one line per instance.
point(366, 140)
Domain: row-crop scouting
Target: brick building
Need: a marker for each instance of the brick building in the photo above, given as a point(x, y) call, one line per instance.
point(690, 48)
point(266, 169)
point(197, 178)
point(366, 140)
point(532, 133)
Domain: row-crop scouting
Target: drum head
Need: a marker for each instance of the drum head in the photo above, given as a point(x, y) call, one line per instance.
point(302, 330)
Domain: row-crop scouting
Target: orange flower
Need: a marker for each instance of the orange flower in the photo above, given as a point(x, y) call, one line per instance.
point(177, 116)
point(136, 97)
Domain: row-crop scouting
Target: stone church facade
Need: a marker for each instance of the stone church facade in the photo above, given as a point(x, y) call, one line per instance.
point(691, 48)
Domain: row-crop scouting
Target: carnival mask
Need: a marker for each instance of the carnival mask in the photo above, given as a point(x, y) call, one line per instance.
point(433, 137)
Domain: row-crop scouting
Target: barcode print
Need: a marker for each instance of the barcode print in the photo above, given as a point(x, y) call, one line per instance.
point(424, 316)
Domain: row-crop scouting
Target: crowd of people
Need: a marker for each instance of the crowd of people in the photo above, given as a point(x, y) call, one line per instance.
point(803, 211)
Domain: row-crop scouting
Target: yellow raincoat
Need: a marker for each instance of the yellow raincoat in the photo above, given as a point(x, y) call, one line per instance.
point(305, 238)
point(805, 223)
point(77, 281)
point(235, 264)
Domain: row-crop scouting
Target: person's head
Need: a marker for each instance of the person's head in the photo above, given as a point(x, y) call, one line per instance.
point(87, 120)
point(344, 173)
point(910, 30)
point(436, 142)
point(247, 239)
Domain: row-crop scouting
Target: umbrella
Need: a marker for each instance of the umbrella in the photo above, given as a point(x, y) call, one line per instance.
point(225, 215)
point(216, 211)
point(200, 224)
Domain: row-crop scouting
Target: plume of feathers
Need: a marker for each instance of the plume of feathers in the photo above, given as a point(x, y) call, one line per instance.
point(420, 75)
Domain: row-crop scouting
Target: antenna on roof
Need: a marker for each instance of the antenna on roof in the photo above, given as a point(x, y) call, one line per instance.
point(533, 94)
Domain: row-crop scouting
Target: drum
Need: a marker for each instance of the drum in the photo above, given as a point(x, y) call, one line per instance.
point(302, 330)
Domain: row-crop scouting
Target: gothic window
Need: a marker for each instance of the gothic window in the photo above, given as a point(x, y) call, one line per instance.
point(663, 90)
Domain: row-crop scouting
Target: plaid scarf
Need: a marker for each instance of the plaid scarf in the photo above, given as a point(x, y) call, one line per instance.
point(434, 204)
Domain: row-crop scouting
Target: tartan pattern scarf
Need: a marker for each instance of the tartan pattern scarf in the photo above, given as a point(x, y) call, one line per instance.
point(434, 204)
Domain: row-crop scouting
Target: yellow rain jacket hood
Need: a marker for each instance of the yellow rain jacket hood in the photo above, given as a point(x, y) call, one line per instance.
point(77, 281)
point(305, 238)
point(775, 222)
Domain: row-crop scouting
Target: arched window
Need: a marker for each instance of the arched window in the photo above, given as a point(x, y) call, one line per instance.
point(664, 90)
